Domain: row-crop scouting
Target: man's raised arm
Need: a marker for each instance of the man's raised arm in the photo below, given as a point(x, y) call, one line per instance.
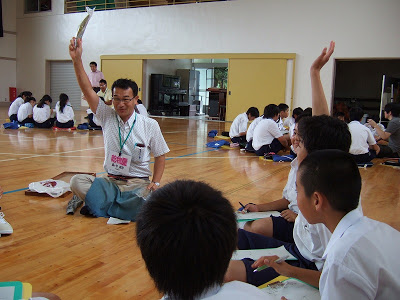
point(76, 55)
point(319, 104)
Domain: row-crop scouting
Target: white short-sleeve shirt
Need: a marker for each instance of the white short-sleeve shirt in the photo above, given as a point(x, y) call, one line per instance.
point(24, 111)
point(239, 125)
point(290, 192)
point(15, 105)
point(250, 131)
point(145, 131)
point(66, 115)
point(265, 132)
point(107, 95)
point(142, 110)
point(361, 138)
point(41, 114)
point(361, 260)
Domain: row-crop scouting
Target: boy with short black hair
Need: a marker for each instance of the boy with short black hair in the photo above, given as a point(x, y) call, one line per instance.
point(363, 145)
point(392, 133)
point(187, 233)
point(361, 261)
point(267, 137)
point(283, 114)
point(238, 129)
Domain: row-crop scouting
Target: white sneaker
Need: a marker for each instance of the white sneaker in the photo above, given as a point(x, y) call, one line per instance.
point(5, 227)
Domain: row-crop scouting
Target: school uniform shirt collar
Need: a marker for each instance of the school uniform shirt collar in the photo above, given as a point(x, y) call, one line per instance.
point(207, 293)
point(130, 120)
point(345, 223)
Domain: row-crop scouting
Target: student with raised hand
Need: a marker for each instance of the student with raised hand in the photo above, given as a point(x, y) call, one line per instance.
point(238, 129)
point(42, 113)
point(64, 113)
point(186, 232)
point(361, 261)
point(267, 137)
point(392, 132)
point(363, 145)
point(15, 105)
point(25, 111)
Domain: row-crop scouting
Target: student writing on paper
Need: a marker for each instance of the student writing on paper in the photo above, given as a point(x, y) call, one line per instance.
point(187, 232)
point(360, 260)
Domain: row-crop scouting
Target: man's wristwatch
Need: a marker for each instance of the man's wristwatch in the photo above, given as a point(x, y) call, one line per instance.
point(156, 183)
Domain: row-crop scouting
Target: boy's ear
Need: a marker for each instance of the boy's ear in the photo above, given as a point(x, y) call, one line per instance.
point(319, 201)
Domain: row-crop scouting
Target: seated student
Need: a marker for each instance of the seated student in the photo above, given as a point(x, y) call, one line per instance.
point(13, 110)
point(250, 133)
point(296, 112)
point(64, 113)
point(375, 134)
point(25, 111)
point(361, 261)
point(280, 228)
point(104, 92)
point(392, 133)
point(267, 137)
point(42, 113)
point(283, 114)
point(238, 129)
point(141, 109)
point(314, 133)
point(186, 232)
point(362, 139)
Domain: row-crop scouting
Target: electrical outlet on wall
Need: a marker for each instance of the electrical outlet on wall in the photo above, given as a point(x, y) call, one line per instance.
point(5, 99)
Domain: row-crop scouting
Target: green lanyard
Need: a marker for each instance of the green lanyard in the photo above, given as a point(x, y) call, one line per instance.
point(120, 138)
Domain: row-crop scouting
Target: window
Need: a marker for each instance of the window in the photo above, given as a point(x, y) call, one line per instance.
point(32, 6)
point(72, 6)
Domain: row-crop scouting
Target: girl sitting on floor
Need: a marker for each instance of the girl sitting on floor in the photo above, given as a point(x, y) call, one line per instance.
point(64, 113)
point(42, 113)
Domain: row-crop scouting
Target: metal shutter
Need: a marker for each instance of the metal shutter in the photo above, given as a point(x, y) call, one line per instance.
point(63, 80)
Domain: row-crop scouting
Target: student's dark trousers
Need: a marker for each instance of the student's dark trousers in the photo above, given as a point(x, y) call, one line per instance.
point(275, 147)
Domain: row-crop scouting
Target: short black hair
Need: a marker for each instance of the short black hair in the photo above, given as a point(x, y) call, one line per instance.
point(356, 113)
point(29, 99)
point(270, 111)
point(308, 110)
point(186, 232)
point(339, 114)
point(394, 108)
point(26, 94)
point(93, 63)
point(324, 132)
point(297, 112)
point(43, 100)
point(283, 107)
point(125, 84)
point(103, 81)
point(253, 111)
point(333, 173)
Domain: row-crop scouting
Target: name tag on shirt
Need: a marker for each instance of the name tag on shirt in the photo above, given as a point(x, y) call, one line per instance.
point(117, 163)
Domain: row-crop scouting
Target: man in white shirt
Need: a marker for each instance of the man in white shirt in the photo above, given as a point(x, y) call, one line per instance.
point(238, 129)
point(177, 231)
point(129, 138)
point(267, 137)
point(15, 105)
point(95, 76)
point(362, 139)
point(105, 92)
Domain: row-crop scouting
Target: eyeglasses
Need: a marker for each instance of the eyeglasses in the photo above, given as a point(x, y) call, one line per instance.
point(125, 100)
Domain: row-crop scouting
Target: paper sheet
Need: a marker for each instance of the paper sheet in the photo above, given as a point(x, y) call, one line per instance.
point(257, 253)
point(256, 215)
point(292, 289)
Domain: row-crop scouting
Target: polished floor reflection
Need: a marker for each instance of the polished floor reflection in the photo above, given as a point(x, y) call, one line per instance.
point(83, 258)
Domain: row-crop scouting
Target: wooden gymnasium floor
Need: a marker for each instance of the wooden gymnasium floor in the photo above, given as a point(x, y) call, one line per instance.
point(77, 257)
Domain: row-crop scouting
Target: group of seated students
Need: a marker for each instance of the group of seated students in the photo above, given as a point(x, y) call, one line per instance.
point(25, 110)
point(187, 230)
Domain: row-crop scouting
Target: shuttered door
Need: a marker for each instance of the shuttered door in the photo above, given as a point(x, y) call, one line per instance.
point(63, 80)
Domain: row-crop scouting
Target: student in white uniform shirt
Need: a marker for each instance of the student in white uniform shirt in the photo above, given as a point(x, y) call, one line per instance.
point(283, 114)
point(64, 112)
point(141, 109)
point(250, 133)
point(177, 229)
point(15, 105)
point(42, 113)
point(267, 137)
point(363, 144)
point(25, 111)
point(238, 129)
point(361, 258)
point(129, 138)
